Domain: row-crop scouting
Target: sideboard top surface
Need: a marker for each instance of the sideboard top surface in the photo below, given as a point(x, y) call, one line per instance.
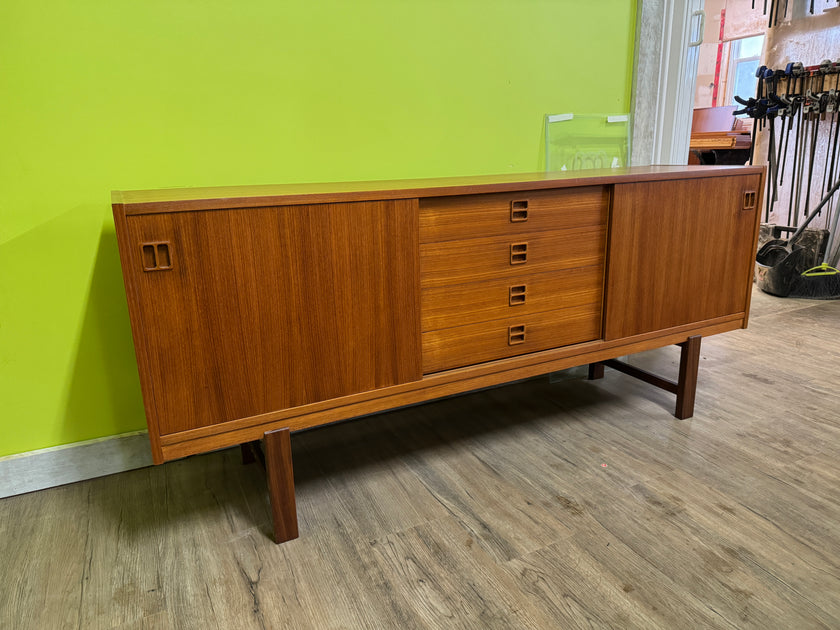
point(219, 197)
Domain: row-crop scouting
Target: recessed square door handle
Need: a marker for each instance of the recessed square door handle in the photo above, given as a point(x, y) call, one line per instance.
point(156, 256)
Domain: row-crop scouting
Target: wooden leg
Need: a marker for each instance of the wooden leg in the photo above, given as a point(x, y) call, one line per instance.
point(248, 456)
point(685, 388)
point(281, 484)
point(687, 383)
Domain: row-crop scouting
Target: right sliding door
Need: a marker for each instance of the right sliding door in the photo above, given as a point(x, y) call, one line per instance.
point(680, 251)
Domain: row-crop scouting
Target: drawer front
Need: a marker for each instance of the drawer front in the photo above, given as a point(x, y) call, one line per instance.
point(473, 260)
point(476, 343)
point(461, 304)
point(475, 216)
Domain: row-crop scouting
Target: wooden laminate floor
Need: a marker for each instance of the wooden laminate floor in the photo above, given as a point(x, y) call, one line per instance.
point(568, 505)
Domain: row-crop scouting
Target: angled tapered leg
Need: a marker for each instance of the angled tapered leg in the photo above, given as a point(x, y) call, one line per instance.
point(687, 383)
point(281, 484)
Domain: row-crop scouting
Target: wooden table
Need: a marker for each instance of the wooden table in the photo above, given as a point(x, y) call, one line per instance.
point(717, 137)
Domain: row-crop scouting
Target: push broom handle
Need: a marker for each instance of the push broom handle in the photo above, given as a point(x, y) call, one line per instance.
point(814, 212)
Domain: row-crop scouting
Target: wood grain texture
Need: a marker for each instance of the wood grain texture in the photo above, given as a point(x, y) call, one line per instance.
point(750, 272)
point(296, 315)
point(130, 263)
point(488, 341)
point(270, 308)
point(281, 484)
point(191, 199)
point(430, 387)
point(461, 304)
point(679, 251)
point(491, 510)
point(472, 216)
point(471, 260)
point(687, 380)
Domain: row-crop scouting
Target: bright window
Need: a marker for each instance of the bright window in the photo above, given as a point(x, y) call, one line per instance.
point(744, 59)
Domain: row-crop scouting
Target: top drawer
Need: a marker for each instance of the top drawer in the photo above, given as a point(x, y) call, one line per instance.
point(475, 216)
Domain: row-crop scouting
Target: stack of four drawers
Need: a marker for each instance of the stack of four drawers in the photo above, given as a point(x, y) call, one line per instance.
point(504, 274)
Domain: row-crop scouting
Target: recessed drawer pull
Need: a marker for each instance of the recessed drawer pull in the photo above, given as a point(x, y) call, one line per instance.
point(156, 256)
point(749, 200)
point(517, 294)
point(516, 335)
point(519, 211)
point(518, 253)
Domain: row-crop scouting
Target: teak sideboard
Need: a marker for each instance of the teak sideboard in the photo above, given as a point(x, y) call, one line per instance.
point(261, 310)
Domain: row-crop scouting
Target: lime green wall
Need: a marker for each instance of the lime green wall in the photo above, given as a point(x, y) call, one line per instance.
point(98, 95)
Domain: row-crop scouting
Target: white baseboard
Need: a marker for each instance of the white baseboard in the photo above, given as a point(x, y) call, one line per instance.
point(49, 467)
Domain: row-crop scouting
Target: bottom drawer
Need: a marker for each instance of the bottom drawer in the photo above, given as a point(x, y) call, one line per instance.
point(476, 343)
